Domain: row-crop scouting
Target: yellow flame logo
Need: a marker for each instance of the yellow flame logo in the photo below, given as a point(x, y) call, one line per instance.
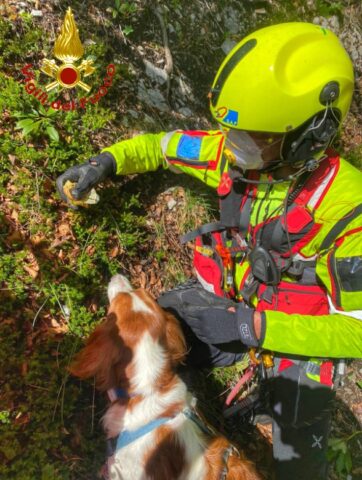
point(68, 49)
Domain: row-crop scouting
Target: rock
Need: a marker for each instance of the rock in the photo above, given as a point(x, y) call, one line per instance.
point(88, 42)
point(171, 203)
point(36, 13)
point(155, 73)
point(332, 23)
point(185, 111)
point(231, 20)
point(184, 89)
point(228, 45)
point(133, 113)
point(152, 97)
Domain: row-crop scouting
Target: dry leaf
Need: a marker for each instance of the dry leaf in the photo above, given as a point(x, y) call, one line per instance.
point(14, 237)
point(56, 327)
point(37, 239)
point(33, 272)
point(114, 252)
point(90, 250)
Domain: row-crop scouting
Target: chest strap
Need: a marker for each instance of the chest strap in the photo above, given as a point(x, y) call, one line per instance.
point(128, 436)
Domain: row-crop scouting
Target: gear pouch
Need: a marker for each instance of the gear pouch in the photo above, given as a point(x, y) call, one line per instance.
point(340, 269)
point(207, 264)
point(291, 297)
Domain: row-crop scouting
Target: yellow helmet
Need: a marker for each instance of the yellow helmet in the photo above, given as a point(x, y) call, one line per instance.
point(279, 77)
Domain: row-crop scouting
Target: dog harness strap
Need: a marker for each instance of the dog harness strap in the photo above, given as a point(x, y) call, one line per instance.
point(192, 415)
point(128, 436)
point(231, 450)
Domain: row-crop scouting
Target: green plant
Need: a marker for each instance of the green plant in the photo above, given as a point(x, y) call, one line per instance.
point(4, 416)
point(38, 122)
point(340, 454)
point(327, 8)
point(123, 9)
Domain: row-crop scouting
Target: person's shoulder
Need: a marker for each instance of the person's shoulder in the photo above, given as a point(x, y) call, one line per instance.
point(345, 173)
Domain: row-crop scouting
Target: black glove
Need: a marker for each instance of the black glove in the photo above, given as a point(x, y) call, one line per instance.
point(208, 316)
point(215, 325)
point(87, 175)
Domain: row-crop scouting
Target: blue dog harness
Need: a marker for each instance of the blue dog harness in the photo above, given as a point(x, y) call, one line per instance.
point(128, 436)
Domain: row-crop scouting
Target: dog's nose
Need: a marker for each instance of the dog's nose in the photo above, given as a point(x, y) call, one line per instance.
point(118, 284)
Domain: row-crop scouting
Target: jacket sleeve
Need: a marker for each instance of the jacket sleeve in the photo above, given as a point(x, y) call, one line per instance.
point(197, 153)
point(330, 336)
point(142, 153)
point(339, 334)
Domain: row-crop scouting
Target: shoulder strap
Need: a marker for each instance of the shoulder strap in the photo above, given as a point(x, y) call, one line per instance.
point(339, 227)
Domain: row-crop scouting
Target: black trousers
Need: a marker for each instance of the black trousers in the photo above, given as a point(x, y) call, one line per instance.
point(300, 406)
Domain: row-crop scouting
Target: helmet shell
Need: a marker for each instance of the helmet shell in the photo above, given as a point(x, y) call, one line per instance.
point(272, 80)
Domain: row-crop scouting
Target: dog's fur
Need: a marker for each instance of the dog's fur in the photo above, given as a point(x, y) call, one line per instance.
point(137, 349)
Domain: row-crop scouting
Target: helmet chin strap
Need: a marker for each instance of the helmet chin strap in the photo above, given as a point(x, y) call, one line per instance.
point(309, 166)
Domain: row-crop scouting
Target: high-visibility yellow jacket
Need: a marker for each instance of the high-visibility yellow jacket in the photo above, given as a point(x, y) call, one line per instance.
point(320, 317)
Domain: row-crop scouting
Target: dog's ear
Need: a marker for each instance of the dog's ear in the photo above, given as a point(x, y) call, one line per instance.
point(175, 340)
point(103, 356)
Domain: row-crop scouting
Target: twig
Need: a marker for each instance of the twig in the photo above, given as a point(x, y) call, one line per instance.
point(37, 190)
point(37, 387)
point(39, 310)
point(168, 56)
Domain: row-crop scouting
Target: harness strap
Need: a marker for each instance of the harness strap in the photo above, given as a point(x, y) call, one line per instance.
point(339, 227)
point(231, 450)
point(128, 436)
point(245, 214)
point(207, 228)
point(192, 415)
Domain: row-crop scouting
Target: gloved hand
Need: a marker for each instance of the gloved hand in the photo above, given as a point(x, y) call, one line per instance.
point(87, 175)
point(215, 325)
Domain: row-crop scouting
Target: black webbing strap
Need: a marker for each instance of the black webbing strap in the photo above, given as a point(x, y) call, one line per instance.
point(207, 228)
point(339, 227)
point(230, 203)
point(245, 215)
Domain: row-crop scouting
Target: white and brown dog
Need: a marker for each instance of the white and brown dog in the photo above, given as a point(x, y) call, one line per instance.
point(159, 434)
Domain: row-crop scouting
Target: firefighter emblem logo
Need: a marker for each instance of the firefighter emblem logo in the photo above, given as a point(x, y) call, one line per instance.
point(68, 49)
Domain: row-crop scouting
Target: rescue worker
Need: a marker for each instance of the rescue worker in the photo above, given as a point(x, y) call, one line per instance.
point(282, 270)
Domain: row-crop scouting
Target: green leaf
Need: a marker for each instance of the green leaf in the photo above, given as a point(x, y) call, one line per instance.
point(24, 123)
point(21, 115)
point(117, 4)
point(42, 109)
point(51, 112)
point(348, 462)
point(340, 463)
point(127, 30)
point(334, 443)
point(52, 133)
point(28, 125)
point(359, 384)
point(331, 454)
